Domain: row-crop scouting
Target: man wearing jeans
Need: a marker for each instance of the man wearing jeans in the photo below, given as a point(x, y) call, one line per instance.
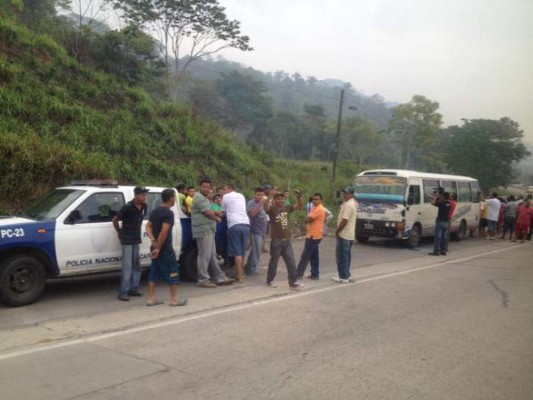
point(281, 238)
point(345, 234)
point(440, 241)
point(315, 226)
point(131, 215)
point(258, 229)
point(203, 223)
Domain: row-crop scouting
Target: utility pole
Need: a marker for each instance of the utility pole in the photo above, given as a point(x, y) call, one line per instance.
point(337, 138)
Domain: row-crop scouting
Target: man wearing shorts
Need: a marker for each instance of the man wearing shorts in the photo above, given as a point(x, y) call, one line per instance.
point(164, 263)
point(234, 206)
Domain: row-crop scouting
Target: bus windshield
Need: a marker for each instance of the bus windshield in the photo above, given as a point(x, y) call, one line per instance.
point(52, 204)
point(392, 187)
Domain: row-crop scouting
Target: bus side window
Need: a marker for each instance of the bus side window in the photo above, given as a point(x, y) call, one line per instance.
point(414, 195)
point(430, 186)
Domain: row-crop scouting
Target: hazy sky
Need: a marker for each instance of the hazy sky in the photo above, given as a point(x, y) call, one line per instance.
point(475, 57)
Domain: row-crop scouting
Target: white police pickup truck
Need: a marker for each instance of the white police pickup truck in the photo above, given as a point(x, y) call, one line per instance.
point(67, 232)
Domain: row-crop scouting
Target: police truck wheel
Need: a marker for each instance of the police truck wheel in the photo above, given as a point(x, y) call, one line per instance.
point(189, 264)
point(414, 237)
point(461, 233)
point(22, 280)
point(361, 238)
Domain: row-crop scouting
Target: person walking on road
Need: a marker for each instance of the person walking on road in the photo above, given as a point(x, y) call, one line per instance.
point(442, 223)
point(131, 214)
point(493, 206)
point(281, 237)
point(234, 207)
point(314, 231)
point(164, 262)
point(203, 224)
point(258, 229)
point(345, 234)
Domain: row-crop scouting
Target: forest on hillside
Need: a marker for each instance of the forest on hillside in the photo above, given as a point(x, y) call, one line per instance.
point(270, 115)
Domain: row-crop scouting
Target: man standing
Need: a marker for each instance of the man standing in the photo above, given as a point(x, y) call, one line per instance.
point(314, 230)
point(281, 237)
point(258, 229)
point(203, 223)
point(493, 206)
point(164, 262)
point(442, 223)
point(345, 234)
point(234, 207)
point(131, 214)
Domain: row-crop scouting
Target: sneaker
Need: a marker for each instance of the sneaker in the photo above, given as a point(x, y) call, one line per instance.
point(315, 278)
point(135, 293)
point(346, 281)
point(272, 284)
point(207, 284)
point(123, 298)
point(433, 254)
point(335, 278)
point(227, 281)
point(443, 253)
point(296, 286)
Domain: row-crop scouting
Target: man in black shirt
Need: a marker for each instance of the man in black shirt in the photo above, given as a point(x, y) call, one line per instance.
point(164, 262)
point(441, 201)
point(131, 215)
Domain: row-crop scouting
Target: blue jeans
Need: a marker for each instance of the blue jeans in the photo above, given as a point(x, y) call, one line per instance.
point(343, 253)
point(131, 269)
point(310, 253)
point(281, 248)
point(255, 251)
point(440, 242)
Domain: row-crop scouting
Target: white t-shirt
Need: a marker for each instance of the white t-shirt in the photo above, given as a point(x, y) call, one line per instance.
point(234, 204)
point(494, 209)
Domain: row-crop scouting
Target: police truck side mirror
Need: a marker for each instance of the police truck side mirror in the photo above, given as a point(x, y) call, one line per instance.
point(73, 217)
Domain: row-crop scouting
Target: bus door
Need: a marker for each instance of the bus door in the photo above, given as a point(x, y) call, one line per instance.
point(429, 211)
point(413, 208)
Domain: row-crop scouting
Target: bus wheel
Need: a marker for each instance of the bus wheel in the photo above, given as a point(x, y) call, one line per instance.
point(361, 238)
point(414, 237)
point(22, 280)
point(189, 263)
point(461, 233)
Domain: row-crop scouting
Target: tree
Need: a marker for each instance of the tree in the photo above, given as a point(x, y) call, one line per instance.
point(190, 29)
point(414, 126)
point(486, 149)
point(360, 140)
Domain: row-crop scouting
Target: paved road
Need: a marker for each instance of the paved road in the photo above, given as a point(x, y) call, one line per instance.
point(412, 327)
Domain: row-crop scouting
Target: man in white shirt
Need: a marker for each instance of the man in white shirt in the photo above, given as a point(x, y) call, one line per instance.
point(345, 234)
point(493, 205)
point(234, 206)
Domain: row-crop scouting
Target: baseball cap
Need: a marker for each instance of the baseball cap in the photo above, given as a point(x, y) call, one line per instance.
point(140, 189)
point(349, 189)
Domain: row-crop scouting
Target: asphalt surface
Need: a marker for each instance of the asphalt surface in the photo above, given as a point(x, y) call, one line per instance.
point(411, 327)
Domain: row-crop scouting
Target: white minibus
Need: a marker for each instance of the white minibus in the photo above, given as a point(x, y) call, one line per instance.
point(397, 204)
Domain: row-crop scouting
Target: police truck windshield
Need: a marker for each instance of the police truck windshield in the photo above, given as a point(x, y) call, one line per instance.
point(52, 204)
point(380, 185)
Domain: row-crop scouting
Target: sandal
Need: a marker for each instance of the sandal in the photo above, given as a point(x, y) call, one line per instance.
point(180, 303)
point(155, 303)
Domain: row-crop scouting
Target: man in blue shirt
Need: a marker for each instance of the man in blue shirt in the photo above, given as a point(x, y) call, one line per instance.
point(258, 229)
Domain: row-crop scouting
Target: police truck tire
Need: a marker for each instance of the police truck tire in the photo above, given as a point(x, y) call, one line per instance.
point(189, 263)
point(414, 237)
point(361, 238)
point(22, 280)
point(462, 232)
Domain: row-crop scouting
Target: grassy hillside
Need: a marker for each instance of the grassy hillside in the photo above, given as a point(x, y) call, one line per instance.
point(60, 120)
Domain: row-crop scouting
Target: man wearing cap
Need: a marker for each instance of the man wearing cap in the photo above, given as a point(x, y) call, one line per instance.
point(131, 214)
point(345, 234)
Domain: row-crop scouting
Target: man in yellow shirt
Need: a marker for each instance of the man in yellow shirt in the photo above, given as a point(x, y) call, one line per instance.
point(345, 234)
point(315, 227)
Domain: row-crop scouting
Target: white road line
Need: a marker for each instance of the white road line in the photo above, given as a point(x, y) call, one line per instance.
point(207, 314)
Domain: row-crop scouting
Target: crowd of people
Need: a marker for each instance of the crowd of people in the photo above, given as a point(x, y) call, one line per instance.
point(238, 222)
point(267, 213)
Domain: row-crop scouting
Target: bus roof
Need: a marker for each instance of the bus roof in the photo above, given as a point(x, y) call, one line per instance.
point(413, 174)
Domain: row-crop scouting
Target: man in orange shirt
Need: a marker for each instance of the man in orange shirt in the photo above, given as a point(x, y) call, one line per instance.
point(315, 226)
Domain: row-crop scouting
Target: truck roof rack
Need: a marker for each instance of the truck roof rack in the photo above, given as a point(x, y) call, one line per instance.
point(95, 182)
